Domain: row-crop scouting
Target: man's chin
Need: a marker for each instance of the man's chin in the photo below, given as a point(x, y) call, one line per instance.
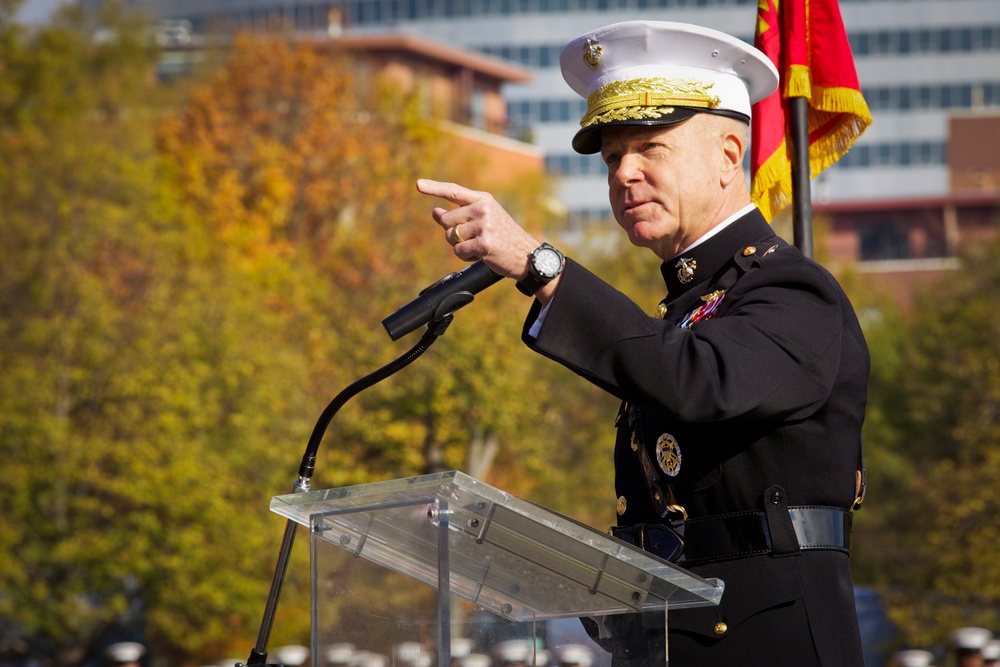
point(641, 232)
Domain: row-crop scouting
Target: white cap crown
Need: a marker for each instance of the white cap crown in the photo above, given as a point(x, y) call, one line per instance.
point(660, 72)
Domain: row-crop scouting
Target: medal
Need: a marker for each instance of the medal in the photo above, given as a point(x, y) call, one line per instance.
point(706, 311)
point(668, 454)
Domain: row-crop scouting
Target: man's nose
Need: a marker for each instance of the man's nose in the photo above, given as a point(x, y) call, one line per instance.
point(628, 170)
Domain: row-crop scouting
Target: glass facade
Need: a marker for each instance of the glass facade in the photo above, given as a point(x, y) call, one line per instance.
point(918, 61)
point(378, 12)
point(863, 44)
point(951, 96)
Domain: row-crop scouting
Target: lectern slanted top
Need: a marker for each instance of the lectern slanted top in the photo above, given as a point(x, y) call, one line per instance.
point(505, 554)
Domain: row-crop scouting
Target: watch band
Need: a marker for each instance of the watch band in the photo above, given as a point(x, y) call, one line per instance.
point(536, 280)
point(529, 285)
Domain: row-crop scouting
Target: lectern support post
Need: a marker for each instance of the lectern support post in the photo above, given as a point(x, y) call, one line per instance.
point(441, 513)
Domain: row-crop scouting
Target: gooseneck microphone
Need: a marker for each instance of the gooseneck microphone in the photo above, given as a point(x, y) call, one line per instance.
point(441, 299)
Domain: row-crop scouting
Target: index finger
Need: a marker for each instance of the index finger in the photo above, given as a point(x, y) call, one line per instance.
point(452, 192)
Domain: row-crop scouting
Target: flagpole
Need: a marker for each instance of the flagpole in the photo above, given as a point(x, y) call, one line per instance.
point(801, 193)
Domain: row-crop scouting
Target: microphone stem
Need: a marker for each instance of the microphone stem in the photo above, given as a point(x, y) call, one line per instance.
point(258, 655)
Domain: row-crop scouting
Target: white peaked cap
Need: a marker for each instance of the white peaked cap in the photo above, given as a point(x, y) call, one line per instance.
point(340, 653)
point(291, 655)
point(574, 654)
point(513, 650)
point(970, 639)
point(124, 651)
point(476, 660)
point(460, 647)
point(660, 73)
point(913, 658)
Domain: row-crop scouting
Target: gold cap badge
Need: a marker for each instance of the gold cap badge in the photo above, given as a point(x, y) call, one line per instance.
point(592, 53)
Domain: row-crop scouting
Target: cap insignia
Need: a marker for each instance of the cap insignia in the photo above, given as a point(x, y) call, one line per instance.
point(639, 99)
point(668, 454)
point(592, 53)
point(685, 269)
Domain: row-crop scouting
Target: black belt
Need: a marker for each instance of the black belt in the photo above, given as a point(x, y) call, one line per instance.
point(738, 535)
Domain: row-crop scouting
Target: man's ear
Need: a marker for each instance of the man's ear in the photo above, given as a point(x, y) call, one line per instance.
point(734, 146)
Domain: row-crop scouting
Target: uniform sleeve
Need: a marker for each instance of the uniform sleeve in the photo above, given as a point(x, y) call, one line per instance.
point(772, 351)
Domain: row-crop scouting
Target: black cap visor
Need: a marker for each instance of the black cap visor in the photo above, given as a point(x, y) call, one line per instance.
point(588, 140)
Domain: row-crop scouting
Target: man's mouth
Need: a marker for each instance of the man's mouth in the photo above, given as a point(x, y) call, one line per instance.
point(629, 206)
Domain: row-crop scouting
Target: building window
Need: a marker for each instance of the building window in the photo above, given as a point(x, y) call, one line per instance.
point(881, 241)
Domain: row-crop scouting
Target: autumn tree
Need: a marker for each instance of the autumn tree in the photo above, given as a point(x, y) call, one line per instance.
point(176, 309)
point(323, 169)
point(139, 406)
point(935, 402)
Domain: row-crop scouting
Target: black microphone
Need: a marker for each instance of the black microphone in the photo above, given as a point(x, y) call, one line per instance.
point(441, 299)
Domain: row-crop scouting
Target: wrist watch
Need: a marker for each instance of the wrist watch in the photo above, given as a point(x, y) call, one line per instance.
point(545, 263)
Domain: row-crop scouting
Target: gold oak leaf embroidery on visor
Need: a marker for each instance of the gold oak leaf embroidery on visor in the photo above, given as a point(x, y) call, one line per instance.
point(640, 99)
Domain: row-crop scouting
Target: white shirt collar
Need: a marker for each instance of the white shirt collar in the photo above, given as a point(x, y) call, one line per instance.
point(719, 227)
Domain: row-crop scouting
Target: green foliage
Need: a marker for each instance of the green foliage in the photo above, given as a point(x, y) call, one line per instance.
point(143, 388)
point(184, 284)
point(928, 534)
point(177, 306)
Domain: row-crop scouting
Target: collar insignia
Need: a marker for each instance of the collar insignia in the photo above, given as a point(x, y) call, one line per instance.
point(685, 269)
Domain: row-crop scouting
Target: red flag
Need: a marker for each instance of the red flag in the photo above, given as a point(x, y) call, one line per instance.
point(806, 41)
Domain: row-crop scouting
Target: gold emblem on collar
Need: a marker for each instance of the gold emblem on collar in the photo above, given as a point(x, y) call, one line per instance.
point(592, 51)
point(685, 269)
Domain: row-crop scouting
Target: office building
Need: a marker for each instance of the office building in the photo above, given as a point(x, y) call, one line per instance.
point(903, 202)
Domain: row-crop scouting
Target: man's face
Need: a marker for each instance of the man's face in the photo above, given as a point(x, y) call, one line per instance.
point(969, 658)
point(665, 182)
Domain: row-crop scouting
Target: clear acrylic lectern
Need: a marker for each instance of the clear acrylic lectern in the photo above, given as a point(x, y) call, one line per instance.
point(497, 561)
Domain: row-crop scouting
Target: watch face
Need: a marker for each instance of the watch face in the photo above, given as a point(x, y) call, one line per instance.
point(548, 262)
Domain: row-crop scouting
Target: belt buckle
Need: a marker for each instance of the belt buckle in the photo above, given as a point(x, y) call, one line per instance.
point(635, 535)
point(644, 537)
point(671, 544)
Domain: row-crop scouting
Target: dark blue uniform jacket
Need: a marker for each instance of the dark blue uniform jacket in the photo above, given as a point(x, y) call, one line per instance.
point(765, 385)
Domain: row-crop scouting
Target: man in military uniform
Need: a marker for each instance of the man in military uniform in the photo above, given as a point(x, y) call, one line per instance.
point(968, 644)
point(739, 437)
